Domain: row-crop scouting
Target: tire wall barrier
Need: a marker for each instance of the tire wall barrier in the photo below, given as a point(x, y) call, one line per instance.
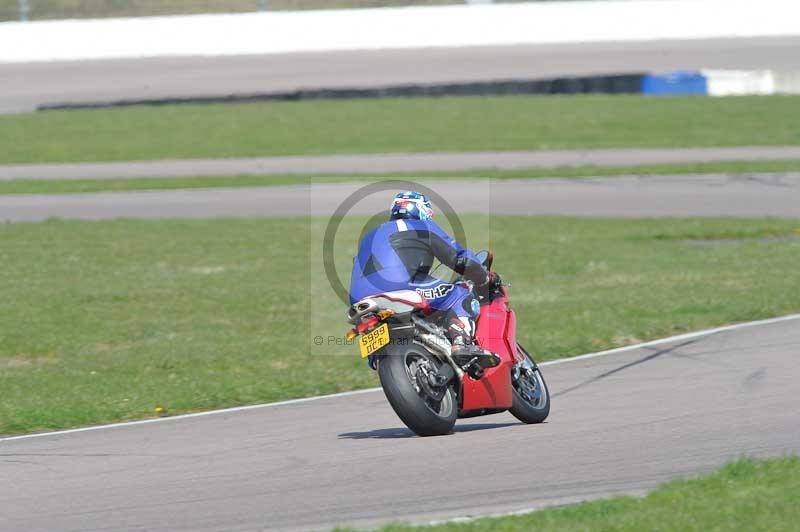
point(682, 83)
point(614, 84)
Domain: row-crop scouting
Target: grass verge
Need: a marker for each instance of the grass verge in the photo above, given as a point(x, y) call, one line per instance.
point(397, 125)
point(47, 186)
point(744, 495)
point(105, 321)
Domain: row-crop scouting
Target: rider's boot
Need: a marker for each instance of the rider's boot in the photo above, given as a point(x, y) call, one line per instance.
point(472, 358)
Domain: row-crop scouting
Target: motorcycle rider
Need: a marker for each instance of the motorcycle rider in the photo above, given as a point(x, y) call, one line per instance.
point(398, 255)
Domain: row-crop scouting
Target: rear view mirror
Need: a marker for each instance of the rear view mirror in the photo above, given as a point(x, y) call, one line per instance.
point(485, 257)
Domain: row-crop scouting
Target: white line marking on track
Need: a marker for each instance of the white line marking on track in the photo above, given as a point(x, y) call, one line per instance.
point(660, 341)
point(187, 416)
point(670, 339)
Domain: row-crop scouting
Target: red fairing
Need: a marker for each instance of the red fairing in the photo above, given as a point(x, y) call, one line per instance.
point(497, 330)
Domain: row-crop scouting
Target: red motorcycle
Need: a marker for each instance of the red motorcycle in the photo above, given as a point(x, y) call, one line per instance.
point(426, 387)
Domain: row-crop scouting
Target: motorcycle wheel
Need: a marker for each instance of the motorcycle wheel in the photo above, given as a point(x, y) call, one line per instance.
point(531, 397)
point(425, 410)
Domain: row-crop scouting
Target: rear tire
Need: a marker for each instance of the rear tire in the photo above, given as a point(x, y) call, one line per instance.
point(531, 397)
point(421, 413)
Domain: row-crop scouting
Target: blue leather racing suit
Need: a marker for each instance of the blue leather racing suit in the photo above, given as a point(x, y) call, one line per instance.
point(399, 254)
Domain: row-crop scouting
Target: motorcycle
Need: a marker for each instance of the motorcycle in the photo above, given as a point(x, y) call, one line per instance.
point(425, 386)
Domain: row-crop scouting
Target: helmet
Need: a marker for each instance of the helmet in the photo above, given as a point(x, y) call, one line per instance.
point(411, 205)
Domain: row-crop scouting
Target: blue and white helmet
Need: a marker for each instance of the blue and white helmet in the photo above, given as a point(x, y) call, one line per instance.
point(411, 205)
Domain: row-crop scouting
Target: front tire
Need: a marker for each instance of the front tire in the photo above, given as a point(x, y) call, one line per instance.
point(531, 397)
point(399, 371)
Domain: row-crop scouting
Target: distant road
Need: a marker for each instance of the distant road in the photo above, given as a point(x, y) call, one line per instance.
point(25, 86)
point(395, 162)
point(620, 423)
point(701, 195)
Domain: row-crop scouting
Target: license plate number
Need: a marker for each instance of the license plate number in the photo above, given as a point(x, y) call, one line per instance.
point(374, 340)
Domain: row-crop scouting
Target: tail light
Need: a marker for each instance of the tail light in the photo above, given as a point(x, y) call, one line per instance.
point(367, 324)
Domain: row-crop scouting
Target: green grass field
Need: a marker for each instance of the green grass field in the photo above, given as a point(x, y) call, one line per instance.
point(397, 125)
point(104, 321)
point(759, 495)
point(47, 186)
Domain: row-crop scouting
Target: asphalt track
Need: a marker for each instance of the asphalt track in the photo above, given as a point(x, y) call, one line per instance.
point(653, 196)
point(396, 162)
point(23, 87)
point(620, 423)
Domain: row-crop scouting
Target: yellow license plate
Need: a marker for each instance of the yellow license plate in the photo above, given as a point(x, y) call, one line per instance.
point(374, 340)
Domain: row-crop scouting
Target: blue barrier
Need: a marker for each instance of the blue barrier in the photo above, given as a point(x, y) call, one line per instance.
point(682, 82)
